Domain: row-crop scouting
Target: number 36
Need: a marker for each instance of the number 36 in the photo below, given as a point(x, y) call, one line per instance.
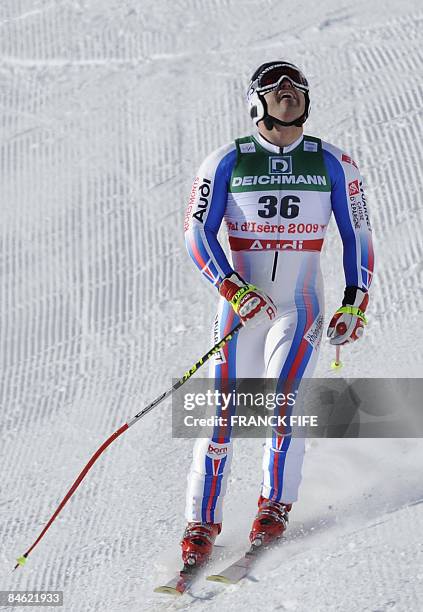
point(288, 210)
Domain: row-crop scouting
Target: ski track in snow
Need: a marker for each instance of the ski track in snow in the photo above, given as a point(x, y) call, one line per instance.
point(107, 109)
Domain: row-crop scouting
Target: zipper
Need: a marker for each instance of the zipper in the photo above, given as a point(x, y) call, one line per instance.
point(275, 258)
point(275, 264)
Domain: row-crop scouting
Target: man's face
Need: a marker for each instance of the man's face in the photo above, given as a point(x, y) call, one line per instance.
point(285, 103)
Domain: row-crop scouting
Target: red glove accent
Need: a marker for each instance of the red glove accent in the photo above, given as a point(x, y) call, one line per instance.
point(345, 327)
point(247, 301)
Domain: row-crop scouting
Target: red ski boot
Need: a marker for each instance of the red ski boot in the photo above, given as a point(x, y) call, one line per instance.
point(270, 522)
point(197, 542)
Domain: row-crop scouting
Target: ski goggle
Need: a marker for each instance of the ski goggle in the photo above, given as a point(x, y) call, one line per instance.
point(272, 76)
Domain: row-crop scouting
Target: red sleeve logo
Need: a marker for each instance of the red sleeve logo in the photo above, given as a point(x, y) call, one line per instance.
point(354, 188)
point(347, 158)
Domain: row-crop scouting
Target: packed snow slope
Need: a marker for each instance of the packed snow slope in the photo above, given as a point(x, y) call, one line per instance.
point(107, 109)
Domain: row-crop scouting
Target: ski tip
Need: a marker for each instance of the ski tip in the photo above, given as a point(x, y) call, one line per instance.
point(219, 578)
point(167, 590)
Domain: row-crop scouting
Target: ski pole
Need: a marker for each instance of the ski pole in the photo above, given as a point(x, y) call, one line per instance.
point(337, 363)
point(217, 347)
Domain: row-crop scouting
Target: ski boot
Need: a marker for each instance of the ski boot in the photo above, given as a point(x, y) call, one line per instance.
point(197, 542)
point(270, 522)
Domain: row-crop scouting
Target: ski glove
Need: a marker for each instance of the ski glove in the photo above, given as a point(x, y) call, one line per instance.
point(347, 324)
point(247, 301)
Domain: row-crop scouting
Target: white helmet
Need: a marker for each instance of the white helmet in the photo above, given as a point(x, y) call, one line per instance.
point(267, 77)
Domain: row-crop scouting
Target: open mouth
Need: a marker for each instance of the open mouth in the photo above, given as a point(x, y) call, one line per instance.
point(287, 96)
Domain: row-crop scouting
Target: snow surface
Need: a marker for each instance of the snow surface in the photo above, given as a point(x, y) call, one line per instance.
point(107, 109)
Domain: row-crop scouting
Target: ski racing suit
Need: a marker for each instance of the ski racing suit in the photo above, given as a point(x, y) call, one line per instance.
point(276, 203)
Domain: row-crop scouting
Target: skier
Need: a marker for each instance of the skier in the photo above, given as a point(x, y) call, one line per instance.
point(276, 190)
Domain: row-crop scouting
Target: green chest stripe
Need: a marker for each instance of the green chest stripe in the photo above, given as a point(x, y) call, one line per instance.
point(257, 169)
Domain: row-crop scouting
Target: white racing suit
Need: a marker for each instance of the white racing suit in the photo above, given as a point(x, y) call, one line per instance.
point(276, 203)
